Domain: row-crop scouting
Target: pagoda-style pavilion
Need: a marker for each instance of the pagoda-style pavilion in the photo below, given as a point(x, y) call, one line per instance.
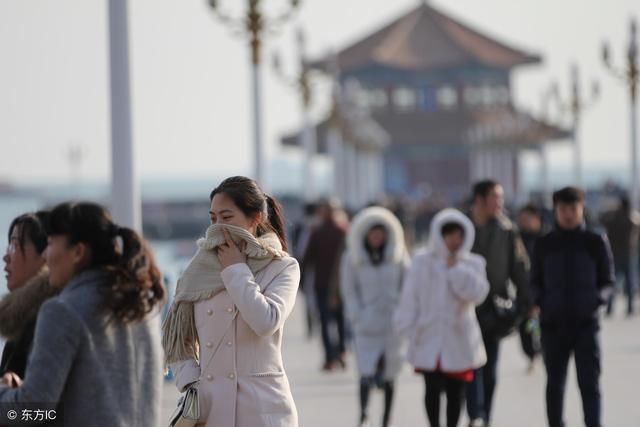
point(441, 91)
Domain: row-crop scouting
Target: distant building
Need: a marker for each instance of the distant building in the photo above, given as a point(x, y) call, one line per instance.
point(441, 91)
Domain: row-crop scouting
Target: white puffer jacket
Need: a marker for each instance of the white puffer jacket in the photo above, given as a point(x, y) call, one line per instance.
point(437, 307)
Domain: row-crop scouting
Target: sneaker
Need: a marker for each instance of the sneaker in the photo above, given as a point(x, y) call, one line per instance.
point(477, 422)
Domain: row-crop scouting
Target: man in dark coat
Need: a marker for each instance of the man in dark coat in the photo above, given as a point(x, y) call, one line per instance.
point(322, 257)
point(622, 225)
point(531, 229)
point(498, 241)
point(572, 273)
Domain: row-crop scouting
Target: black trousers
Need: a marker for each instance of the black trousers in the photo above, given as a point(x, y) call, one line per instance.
point(480, 391)
point(435, 384)
point(328, 317)
point(624, 272)
point(558, 344)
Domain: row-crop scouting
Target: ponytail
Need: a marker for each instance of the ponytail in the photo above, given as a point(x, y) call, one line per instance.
point(276, 221)
point(137, 286)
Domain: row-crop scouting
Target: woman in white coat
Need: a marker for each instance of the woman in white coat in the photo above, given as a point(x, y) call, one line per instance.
point(225, 327)
point(372, 270)
point(437, 312)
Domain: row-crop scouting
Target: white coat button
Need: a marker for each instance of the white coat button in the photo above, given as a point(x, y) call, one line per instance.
point(209, 344)
point(232, 376)
point(209, 377)
point(229, 343)
point(210, 312)
point(229, 310)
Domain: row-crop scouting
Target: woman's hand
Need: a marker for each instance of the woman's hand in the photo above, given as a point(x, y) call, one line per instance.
point(11, 379)
point(229, 253)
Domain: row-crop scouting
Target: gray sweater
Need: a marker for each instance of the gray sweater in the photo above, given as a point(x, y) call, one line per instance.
point(97, 374)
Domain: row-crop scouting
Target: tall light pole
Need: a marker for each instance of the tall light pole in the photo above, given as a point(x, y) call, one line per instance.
point(544, 155)
point(255, 24)
point(302, 83)
point(125, 194)
point(576, 105)
point(630, 75)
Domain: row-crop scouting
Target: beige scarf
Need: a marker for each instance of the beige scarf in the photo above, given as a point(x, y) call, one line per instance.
point(201, 280)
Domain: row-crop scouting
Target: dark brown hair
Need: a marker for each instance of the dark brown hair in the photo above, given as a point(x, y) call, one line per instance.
point(481, 189)
point(30, 227)
point(452, 227)
point(530, 208)
point(251, 200)
point(568, 196)
point(136, 286)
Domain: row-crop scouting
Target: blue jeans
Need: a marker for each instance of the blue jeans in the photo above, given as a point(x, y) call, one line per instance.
point(480, 391)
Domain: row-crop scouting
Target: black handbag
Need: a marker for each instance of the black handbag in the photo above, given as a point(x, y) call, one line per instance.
point(499, 316)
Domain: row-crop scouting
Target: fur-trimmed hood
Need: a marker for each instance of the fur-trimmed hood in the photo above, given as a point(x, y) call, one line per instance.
point(436, 242)
point(20, 308)
point(395, 248)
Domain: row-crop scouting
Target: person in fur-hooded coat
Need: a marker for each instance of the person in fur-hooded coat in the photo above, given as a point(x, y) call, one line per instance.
point(372, 271)
point(18, 315)
point(28, 284)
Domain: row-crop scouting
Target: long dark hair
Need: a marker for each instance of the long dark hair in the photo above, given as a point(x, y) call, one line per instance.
point(251, 200)
point(31, 227)
point(136, 286)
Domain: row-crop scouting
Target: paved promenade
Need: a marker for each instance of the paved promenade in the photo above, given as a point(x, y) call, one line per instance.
point(330, 400)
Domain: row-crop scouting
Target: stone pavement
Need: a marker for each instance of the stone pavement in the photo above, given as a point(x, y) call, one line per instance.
point(331, 399)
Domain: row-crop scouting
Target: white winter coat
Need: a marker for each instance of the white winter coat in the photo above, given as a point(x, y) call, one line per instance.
point(437, 307)
point(371, 292)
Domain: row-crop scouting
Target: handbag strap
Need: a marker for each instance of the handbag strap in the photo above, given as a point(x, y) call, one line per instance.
point(219, 344)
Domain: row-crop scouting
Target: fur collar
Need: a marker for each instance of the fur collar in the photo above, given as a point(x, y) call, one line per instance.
point(20, 308)
point(395, 250)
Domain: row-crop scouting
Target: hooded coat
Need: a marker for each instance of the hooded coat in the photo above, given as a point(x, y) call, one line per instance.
point(371, 292)
point(437, 308)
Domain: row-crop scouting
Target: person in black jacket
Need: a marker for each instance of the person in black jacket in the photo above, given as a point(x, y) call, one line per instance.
point(572, 272)
point(498, 241)
point(531, 229)
point(28, 284)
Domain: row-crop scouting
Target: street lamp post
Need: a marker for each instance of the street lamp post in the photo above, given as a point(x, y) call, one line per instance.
point(543, 151)
point(255, 24)
point(576, 105)
point(302, 83)
point(125, 194)
point(630, 75)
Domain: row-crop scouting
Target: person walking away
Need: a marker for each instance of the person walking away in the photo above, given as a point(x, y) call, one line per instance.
point(444, 284)
point(372, 271)
point(96, 357)
point(498, 241)
point(322, 256)
point(572, 273)
point(623, 230)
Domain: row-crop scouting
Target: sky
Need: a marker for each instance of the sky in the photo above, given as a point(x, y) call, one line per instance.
point(191, 87)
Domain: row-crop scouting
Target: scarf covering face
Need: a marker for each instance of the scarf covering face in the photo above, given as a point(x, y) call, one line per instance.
point(201, 280)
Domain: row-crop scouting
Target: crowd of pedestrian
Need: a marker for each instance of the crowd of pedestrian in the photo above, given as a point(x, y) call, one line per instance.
point(82, 316)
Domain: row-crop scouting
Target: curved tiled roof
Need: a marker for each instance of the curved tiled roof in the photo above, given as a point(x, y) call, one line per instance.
point(427, 39)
